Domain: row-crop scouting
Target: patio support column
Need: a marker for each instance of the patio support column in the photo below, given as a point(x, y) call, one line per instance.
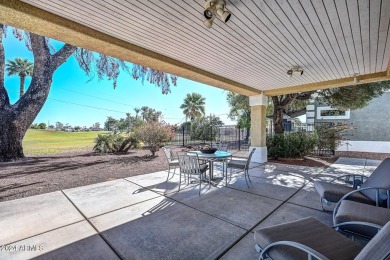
point(258, 105)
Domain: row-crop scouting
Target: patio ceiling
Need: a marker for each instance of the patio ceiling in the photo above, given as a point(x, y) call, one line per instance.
point(330, 40)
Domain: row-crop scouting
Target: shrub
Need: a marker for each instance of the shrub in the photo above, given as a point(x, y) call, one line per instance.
point(116, 143)
point(291, 145)
point(205, 128)
point(154, 135)
point(330, 136)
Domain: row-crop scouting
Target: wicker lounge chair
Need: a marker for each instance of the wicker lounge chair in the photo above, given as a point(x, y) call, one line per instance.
point(332, 192)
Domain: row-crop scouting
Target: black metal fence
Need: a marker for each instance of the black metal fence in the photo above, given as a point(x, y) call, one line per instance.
point(231, 136)
point(238, 139)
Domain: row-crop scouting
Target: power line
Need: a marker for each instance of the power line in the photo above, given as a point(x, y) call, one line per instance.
point(77, 104)
point(97, 107)
point(108, 100)
point(83, 105)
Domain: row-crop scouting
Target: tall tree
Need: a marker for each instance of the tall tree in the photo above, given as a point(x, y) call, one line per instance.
point(22, 68)
point(16, 118)
point(280, 104)
point(351, 97)
point(136, 110)
point(150, 114)
point(240, 110)
point(193, 106)
point(110, 124)
point(205, 128)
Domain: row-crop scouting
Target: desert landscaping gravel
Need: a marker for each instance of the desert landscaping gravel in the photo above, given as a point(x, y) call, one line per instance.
point(42, 174)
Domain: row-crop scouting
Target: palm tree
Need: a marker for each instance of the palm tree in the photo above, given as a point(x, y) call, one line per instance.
point(193, 106)
point(137, 112)
point(144, 112)
point(22, 68)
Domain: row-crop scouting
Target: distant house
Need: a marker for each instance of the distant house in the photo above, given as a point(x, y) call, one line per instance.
point(371, 124)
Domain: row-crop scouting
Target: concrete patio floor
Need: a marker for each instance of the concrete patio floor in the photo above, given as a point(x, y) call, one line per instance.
point(145, 217)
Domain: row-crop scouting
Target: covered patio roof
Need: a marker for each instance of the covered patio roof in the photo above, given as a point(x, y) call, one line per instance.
point(250, 54)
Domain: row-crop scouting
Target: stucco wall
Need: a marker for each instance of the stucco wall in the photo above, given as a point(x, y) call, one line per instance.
point(372, 122)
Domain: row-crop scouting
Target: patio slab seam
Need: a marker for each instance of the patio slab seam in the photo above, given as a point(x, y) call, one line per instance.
point(97, 231)
point(47, 231)
point(258, 223)
point(166, 196)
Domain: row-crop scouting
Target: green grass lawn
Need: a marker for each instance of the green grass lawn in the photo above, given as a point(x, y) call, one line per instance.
point(41, 142)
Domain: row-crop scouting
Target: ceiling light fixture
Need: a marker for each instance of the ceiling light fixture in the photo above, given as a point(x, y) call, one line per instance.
point(214, 8)
point(296, 70)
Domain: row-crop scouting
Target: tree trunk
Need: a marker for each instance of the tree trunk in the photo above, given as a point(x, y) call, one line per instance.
point(21, 87)
point(16, 119)
point(11, 137)
point(278, 120)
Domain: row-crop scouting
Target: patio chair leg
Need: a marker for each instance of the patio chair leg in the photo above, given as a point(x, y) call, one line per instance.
point(247, 172)
point(200, 183)
point(180, 180)
point(226, 178)
point(169, 169)
point(246, 179)
point(322, 204)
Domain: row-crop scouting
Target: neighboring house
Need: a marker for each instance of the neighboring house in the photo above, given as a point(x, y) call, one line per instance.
point(371, 124)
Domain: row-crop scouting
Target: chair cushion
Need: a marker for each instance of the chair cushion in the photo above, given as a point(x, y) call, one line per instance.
point(379, 178)
point(237, 164)
point(309, 232)
point(355, 211)
point(378, 247)
point(334, 192)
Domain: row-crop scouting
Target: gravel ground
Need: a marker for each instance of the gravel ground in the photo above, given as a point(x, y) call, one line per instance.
point(42, 174)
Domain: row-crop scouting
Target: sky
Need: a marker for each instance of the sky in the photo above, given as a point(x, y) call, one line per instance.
point(77, 100)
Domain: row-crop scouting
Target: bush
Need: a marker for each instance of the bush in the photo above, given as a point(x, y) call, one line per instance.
point(154, 135)
point(116, 143)
point(205, 128)
point(330, 136)
point(291, 145)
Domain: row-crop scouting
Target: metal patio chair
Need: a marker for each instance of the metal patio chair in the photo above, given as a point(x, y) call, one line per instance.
point(241, 165)
point(348, 210)
point(331, 192)
point(309, 238)
point(172, 161)
point(189, 165)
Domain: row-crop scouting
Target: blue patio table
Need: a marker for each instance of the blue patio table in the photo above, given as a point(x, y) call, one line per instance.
point(211, 158)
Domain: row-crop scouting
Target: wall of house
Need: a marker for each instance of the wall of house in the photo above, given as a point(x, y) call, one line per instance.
point(372, 122)
point(371, 125)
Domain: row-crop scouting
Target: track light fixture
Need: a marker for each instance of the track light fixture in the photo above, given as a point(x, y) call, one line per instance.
point(296, 70)
point(214, 8)
point(355, 78)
